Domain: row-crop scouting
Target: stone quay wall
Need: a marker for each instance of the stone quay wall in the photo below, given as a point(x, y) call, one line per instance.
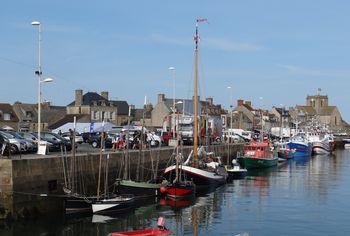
point(33, 186)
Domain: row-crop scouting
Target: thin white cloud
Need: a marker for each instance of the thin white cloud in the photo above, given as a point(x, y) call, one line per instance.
point(159, 38)
point(231, 46)
point(297, 70)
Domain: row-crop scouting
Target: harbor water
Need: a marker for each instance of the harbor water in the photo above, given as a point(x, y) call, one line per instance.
point(305, 196)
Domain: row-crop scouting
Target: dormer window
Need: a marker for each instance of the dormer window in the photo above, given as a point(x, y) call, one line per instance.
point(7, 116)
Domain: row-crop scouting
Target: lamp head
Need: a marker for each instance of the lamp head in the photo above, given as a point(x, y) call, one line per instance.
point(171, 68)
point(48, 80)
point(35, 23)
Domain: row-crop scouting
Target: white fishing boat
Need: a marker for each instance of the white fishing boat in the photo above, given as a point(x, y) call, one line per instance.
point(321, 143)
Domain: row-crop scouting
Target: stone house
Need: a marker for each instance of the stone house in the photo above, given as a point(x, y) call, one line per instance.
point(282, 116)
point(99, 107)
point(243, 116)
point(162, 112)
point(28, 115)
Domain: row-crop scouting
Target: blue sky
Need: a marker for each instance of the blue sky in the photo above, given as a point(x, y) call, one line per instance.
point(278, 50)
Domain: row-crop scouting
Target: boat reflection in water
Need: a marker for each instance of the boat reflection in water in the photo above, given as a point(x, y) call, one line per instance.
point(177, 204)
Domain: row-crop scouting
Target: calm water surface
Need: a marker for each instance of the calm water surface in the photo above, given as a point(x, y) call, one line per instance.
point(306, 196)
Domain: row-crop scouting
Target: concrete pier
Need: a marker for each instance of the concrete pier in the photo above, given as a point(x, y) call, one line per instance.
point(33, 186)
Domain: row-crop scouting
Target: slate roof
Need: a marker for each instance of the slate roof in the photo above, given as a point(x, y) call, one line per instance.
point(52, 115)
point(89, 98)
point(22, 109)
point(179, 107)
point(248, 107)
point(122, 107)
point(309, 110)
point(92, 98)
point(138, 113)
point(327, 111)
point(282, 111)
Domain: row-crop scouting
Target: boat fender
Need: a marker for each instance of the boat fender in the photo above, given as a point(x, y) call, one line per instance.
point(161, 223)
point(163, 189)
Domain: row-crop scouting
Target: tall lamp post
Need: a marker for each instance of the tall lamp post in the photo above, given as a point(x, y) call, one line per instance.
point(173, 115)
point(261, 114)
point(38, 72)
point(231, 105)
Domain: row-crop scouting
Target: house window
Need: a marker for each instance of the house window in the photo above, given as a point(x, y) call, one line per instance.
point(7, 116)
point(335, 120)
point(103, 115)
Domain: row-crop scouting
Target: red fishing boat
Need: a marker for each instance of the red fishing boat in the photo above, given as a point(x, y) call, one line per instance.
point(181, 189)
point(159, 231)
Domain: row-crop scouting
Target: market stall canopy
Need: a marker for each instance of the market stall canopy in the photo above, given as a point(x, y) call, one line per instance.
point(86, 127)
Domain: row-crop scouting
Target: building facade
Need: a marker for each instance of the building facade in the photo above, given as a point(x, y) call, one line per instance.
point(99, 107)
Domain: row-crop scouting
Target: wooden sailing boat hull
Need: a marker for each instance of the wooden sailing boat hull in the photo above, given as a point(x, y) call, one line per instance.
point(78, 204)
point(112, 204)
point(140, 189)
point(203, 179)
point(180, 190)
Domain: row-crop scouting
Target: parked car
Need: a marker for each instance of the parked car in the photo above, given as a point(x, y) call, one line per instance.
point(17, 146)
point(30, 144)
point(4, 146)
point(95, 140)
point(63, 140)
point(78, 137)
point(52, 143)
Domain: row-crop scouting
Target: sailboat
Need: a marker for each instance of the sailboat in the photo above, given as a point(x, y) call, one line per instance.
point(109, 203)
point(136, 187)
point(207, 172)
point(180, 187)
point(75, 201)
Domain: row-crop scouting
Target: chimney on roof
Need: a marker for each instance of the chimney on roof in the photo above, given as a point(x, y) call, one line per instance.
point(240, 102)
point(132, 107)
point(78, 97)
point(104, 94)
point(249, 103)
point(161, 97)
point(209, 100)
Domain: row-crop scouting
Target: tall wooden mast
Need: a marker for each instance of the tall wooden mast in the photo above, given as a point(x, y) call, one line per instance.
point(195, 99)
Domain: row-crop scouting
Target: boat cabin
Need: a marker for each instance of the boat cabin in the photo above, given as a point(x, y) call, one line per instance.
point(258, 149)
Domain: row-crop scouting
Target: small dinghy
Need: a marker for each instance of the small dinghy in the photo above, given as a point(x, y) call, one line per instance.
point(235, 171)
point(160, 230)
point(118, 203)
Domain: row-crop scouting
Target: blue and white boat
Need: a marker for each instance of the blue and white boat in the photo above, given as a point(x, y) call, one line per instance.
point(300, 146)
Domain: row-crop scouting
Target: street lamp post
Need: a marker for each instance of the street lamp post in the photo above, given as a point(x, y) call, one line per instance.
point(261, 114)
point(173, 115)
point(231, 105)
point(38, 72)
